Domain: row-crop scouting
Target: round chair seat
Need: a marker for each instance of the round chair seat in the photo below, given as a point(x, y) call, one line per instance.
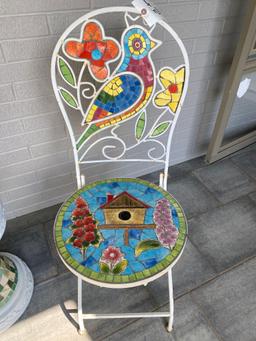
point(120, 232)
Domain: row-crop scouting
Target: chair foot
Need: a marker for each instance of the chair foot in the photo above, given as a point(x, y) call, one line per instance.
point(81, 331)
point(169, 328)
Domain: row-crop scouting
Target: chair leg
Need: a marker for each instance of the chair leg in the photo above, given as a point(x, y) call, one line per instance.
point(170, 323)
point(161, 180)
point(81, 329)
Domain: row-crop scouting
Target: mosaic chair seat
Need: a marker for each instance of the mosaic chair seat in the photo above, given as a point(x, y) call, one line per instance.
point(119, 232)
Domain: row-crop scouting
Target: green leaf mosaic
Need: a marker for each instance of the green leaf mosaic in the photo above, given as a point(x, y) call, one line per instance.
point(68, 98)
point(66, 71)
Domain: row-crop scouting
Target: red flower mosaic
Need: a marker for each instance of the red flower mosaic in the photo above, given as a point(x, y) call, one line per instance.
point(111, 255)
point(112, 260)
point(81, 203)
point(95, 48)
point(80, 212)
point(84, 227)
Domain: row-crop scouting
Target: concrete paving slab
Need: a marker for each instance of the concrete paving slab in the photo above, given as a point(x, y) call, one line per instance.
point(226, 235)
point(247, 162)
point(229, 302)
point(62, 291)
point(225, 180)
point(189, 325)
point(193, 196)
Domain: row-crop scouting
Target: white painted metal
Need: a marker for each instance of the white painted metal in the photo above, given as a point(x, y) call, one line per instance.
point(125, 315)
point(79, 161)
point(80, 305)
point(171, 301)
point(161, 179)
point(120, 158)
point(82, 180)
point(21, 296)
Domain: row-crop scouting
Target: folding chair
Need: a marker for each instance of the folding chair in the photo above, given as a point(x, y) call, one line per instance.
point(120, 232)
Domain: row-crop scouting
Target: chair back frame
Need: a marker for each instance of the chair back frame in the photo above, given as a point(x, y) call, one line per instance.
point(81, 159)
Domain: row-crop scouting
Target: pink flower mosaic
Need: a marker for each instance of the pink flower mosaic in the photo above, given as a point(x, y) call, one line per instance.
point(166, 231)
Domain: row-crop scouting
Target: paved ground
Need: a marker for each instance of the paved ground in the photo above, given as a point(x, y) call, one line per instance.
point(214, 281)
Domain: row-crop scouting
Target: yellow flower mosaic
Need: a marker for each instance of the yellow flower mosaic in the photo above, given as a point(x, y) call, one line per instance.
point(173, 84)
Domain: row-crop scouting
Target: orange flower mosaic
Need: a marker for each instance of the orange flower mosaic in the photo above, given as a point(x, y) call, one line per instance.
point(173, 84)
point(95, 48)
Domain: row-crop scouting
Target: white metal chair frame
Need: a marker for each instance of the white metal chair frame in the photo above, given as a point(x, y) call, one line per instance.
point(129, 11)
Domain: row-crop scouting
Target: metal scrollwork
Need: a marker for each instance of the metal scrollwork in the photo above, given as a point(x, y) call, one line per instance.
point(109, 99)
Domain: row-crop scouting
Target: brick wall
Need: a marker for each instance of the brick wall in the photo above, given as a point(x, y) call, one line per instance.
point(36, 166)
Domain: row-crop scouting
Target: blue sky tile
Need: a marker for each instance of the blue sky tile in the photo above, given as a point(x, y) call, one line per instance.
point(89, 261)
point(148, 234)
point(97, 253)
point(101, 200)
point(90, 250)
point(135, 234)
point(99, 216)
point(133, 242)
point(67, 215)
point(128, 251)
point(95, 267)
point(108, 234)
point(66, 222)
point(66, 233)
point(149, 263)
point(128, 271)
point(136, 266)
point(147, 255)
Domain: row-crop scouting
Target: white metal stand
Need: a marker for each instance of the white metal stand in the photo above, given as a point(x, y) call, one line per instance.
point(82, 317)
point(170, 313)
point(171, 301)
point(80, 306)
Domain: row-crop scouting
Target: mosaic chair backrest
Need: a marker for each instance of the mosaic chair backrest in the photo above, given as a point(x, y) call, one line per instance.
point(116, 94)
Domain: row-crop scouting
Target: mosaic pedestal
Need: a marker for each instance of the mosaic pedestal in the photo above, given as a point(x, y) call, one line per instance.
point(120, 232)
point(16, 285)
point(16, 288)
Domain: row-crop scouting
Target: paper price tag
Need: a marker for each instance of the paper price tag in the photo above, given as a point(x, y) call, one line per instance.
point(243, 87)
point(149, 12)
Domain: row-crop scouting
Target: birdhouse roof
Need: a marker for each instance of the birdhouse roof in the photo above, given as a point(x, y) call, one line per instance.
point(125, 200)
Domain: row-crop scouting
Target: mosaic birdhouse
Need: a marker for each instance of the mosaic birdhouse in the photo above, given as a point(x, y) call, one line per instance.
point(124, 209)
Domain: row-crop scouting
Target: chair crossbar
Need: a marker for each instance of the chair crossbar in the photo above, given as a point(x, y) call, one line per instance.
point(125, 315)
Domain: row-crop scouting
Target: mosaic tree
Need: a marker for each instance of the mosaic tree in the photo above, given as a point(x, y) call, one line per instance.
point(84, 228)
